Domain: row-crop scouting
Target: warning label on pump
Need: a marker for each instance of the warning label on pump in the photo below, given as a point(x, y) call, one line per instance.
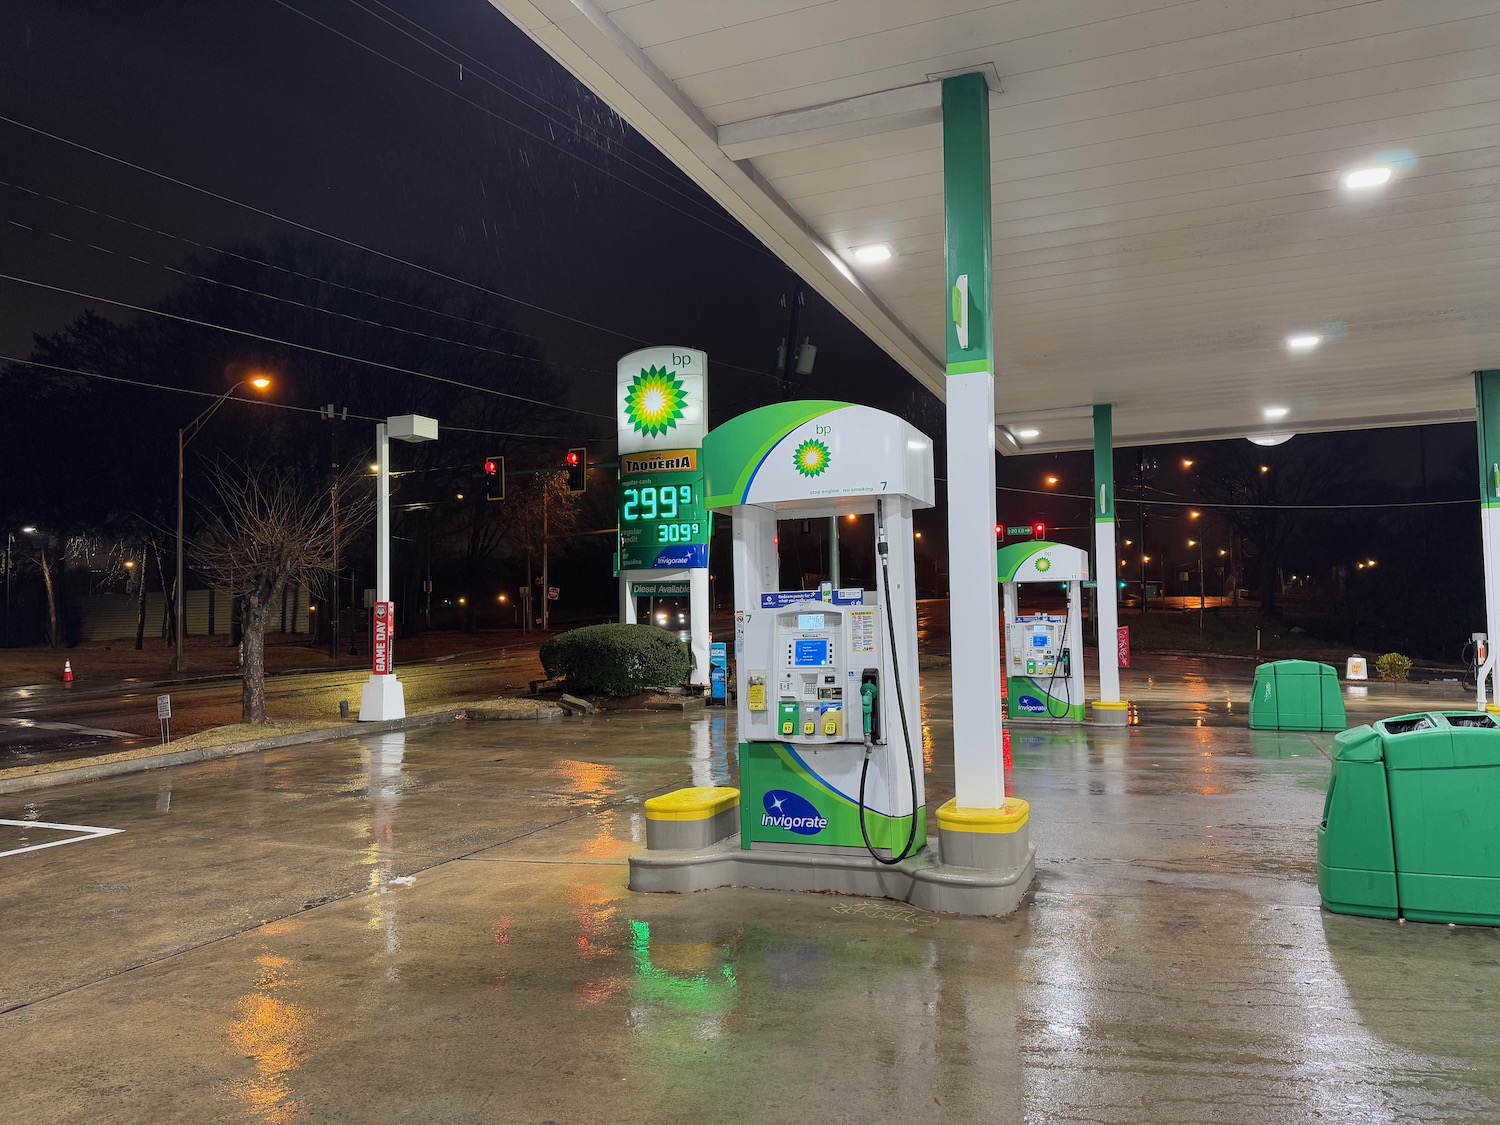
point(862, 630)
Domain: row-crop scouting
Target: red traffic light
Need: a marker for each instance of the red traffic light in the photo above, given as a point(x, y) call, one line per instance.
point(572, 457)
point(1039, 530)
point(491, 467)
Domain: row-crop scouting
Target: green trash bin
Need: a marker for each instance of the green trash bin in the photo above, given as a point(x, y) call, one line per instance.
point(1411, 822)
point(1296, 695)
point(1356, 856)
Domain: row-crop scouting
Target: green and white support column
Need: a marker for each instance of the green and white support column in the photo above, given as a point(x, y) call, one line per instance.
point(981, 829)
point(1487, 398)
point(1109, 709)
point(974, 591)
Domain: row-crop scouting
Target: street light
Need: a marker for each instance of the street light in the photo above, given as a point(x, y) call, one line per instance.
point(185, 435)
point(1199, 544)
point(383, 697)
point(10, 571)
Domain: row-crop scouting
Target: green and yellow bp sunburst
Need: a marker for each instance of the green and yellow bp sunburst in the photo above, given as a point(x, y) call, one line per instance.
point(810, 458)
point(655, 401)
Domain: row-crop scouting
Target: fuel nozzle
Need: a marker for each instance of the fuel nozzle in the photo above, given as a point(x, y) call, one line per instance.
point(869, 692)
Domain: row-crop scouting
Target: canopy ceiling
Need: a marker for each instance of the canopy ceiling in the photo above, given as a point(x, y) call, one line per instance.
point(1168, 199)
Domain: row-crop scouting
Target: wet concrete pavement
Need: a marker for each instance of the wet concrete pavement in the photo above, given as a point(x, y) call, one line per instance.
point(435, 927)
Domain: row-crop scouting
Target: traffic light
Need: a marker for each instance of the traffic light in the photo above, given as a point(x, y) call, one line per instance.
point(494, 478)
point(578, 469)
point(1039, 530)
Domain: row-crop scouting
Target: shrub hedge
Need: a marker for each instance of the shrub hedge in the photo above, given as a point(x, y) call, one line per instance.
point(1394, 666)
point(616, 660)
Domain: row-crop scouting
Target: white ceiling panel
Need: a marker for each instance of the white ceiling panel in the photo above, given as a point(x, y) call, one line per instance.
point(1166, 203)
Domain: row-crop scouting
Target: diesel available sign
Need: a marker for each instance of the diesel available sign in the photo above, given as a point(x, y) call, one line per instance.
point(380, 645)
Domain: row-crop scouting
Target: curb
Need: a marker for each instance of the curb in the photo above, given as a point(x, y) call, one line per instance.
point(24, 779)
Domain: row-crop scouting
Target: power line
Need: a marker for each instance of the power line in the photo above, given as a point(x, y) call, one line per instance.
point(305, 347)
point(304, 305)
point(273, 266)
point(259, 403)
point(313, 230)
point(328, 282)
point(520, 128)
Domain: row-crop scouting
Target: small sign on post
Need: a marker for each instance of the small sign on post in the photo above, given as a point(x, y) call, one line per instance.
point(1122, 646)
point(553, 593)
point(380, 647)
point(164, 717)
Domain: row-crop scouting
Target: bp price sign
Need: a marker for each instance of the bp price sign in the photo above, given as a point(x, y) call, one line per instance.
point(663, 523)
point(662, 417)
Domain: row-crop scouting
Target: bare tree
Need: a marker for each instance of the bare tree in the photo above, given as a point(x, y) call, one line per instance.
point(273, 528)
point(539, 521)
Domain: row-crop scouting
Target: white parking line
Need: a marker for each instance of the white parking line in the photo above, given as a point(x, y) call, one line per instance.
point(38, 724)
point(86, 832)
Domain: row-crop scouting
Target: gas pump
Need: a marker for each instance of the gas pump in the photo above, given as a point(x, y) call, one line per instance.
point(1043, 651)
point(829, 717)
point(829, 734)
point(1477, 659)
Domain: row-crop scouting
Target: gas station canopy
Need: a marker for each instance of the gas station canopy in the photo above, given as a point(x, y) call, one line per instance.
point(1170, 201)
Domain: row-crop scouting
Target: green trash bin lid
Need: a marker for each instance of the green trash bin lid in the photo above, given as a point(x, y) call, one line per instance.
point(1358, 744)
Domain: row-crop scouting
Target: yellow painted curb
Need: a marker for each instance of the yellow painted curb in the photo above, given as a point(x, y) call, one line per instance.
point(703, 803)
point(1100, 705)
point(1002, 822)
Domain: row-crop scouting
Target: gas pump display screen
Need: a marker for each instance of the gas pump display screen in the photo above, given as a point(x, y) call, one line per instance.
point(812, 654)
point(810, 621)
point(1039, 640)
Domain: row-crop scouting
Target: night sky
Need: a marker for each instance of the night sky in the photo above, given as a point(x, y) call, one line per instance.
point(438, 133)
point(503, 172)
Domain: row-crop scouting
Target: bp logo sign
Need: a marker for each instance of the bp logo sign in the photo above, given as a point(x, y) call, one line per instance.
point(1043, 565)
point(654, 401)
point(811, 458)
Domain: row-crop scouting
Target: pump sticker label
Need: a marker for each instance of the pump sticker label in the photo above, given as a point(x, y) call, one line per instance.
point(791, 812)
point(862, 630)
point(1031, 705)
point(781, 598)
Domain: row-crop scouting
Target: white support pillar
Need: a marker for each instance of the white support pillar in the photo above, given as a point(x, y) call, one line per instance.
point(974, 593)
point(698, 624)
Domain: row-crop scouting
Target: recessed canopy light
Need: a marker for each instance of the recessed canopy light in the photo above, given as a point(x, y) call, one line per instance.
point(1366, 177)
point(1027, 435)
point(877, 252)
point(1270, 439)
point(1304, 341)
point(1275, 412)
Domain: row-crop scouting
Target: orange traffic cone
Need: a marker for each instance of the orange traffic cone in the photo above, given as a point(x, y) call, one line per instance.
point(67, 671)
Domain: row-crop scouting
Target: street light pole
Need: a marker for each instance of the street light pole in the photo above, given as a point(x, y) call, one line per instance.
point(383, 697)
point(185, 435)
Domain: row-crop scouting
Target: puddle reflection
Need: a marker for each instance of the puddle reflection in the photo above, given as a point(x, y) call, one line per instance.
point(275, 1033)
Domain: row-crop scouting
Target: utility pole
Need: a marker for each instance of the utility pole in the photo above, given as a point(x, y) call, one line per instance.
point(546, 579)
point(332, 414)
point(788, 365)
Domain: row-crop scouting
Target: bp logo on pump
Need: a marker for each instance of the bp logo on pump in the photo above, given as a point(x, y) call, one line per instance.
point(811, 458)
point(791, 812)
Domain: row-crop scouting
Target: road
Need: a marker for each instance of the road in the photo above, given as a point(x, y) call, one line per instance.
point(52, 722)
